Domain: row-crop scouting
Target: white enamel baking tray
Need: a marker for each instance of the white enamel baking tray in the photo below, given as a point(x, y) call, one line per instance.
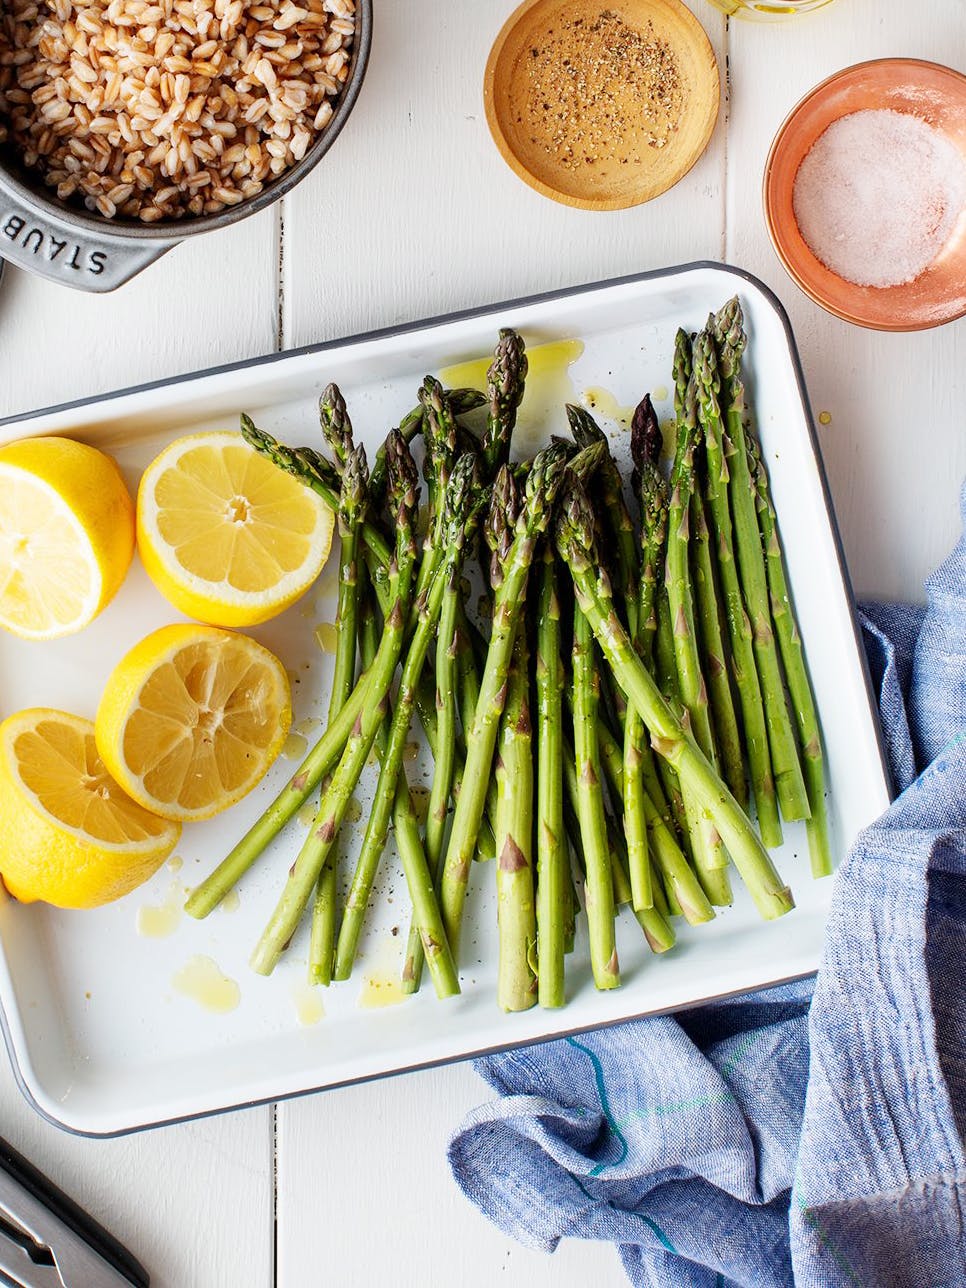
point(101, 1040)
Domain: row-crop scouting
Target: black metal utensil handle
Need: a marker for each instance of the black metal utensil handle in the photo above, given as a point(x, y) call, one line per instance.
point(75, 1224)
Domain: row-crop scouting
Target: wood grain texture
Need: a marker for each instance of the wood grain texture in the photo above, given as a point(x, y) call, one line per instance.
point(895, 447)
point(414, 213)
point(192, 1202)
point(212, 299)
point(365, 1196)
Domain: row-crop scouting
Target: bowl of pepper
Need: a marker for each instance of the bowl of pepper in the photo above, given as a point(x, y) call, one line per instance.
point(601, 105)
point(865, 194)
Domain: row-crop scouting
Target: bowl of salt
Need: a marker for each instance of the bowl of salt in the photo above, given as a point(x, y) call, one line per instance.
point(865, 194)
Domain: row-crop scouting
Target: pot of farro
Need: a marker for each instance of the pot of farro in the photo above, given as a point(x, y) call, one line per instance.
point(128, 125)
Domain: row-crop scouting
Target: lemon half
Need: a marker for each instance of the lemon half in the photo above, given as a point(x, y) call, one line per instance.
point(225, 535)
point(70, 835)
point(66, 535)
point(192, 718)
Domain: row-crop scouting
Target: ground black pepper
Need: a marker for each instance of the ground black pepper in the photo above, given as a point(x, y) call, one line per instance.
point(601, 91)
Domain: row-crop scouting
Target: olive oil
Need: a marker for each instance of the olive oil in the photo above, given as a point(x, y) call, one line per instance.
point(161, 920)
point(601, 402)
point(308, 1004)
point(549, 385)
point(202, 980)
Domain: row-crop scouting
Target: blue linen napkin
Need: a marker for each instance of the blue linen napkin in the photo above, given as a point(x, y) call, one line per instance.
point(810, 1134)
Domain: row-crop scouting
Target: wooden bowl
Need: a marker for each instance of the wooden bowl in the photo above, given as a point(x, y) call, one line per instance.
point(936, 95)
point(601, 104)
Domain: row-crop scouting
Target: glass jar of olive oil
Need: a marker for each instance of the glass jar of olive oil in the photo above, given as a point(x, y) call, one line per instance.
point(767, 10)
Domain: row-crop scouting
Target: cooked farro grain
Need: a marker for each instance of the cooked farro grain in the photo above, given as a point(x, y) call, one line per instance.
point(154, 111)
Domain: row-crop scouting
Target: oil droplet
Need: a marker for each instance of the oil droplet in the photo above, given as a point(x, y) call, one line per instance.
point(306, 814)
point(353, 810)
point(328, 579)
point(162, 920)
point(379, 991)
point(603, 402)
point(467, 375)
point(420, 797)
point(659, 393)
point(175, 863)
point(548, 387)
point(230, 902)
point(326, 636)
point(202, 980)
point(411, 751)
point(294, 747)
point(308, 1004)
point(825, 417)
point(381, 983)
point(307, 726)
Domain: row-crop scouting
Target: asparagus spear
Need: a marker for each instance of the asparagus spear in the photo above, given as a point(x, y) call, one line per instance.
point(439, 431)
point(658, 933)
point(740, 637)
point(335, 424)
point(715, 658)
point(353, 501)
point(460, 400)
point(620, 527)
point(786, 768)
point(408, 840)
point(445, 753)
point(543, 483)
point(312, 470)
point(635, 819)
point(552, 876)
point(352, 507)
point(324, 830)
point(419, 880)
point(328, 819)
point(320, 761)
point(516, 981)
point(654, 640)
point(658, 930)
point(796, 672)
point(691, 682)
point(682, 886)
point(575, 541)
point(709, 857)
point(650, 489)
point(461, 499)
point(599, 888)
point(505, 381)
point(615, 514)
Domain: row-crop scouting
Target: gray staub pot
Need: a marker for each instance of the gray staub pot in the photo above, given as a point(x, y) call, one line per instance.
point(85, 251)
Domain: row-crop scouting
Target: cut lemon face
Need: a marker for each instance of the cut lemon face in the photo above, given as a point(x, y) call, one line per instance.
point(192, 718)
point(66, 535)
point(225, 535)
point(70, 835)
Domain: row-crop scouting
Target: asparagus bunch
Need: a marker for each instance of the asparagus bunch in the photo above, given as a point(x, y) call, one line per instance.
point(591, 732)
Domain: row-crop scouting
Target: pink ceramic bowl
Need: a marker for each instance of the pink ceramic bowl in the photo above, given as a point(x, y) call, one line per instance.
point(936, 95)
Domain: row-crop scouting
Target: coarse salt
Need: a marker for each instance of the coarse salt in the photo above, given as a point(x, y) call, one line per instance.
point(878, 196)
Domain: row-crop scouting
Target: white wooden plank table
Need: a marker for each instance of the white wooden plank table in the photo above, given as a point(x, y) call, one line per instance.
point(414, 214)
